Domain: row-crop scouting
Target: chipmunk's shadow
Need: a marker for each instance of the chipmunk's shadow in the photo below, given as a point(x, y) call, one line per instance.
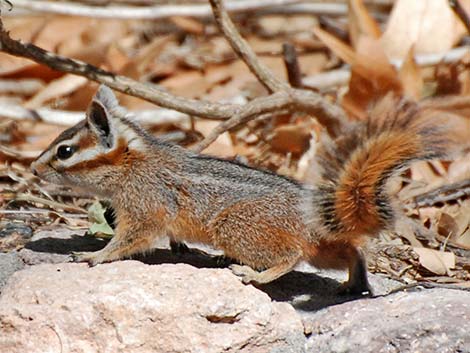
point(65, 246)
point(305, 291)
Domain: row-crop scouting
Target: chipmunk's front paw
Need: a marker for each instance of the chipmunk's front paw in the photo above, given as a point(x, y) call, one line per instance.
point(246, 273)
point(92, 258)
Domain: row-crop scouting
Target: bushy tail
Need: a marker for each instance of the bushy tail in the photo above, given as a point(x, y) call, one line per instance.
point(356, 167)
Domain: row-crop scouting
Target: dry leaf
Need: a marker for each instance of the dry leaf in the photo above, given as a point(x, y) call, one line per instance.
point(372, 77)
point(361, 23)
point(223, 146)
point(344, 51)
point(292, 138)
point(447, 226)
point(429, 25)
point(411, 77)
point(56, 89)
point(438, 262)
point(405, 229)
point(464, 239)
point(188, 24)
point(422, 171)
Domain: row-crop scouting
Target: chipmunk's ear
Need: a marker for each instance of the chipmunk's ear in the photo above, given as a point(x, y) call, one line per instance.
point(106, 97)
point(99, 115)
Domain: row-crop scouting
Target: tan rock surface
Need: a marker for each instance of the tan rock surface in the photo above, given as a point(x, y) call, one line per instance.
point(128, 306)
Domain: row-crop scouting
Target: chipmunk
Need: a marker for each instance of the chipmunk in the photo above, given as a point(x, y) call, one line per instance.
point(267, 222)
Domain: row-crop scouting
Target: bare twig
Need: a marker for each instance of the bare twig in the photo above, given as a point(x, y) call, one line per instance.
point(292, 65)
point(461, 13)
point(243, 50)
point(292, 100)
point(148, 92)
point(24, 87)
point(149, 12)
point(274, 102)
point(443, 194)
point(62, 117)
point(49, 203)
point(340, 77)
point(24, 156)
point(260, 7)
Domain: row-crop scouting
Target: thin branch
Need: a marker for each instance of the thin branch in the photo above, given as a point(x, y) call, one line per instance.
point(45, 202)
point(443, 194)
point(149, 12)
point(159, 11)
point(340, 77)
point(243, 50)
point(292, 65)
point(24, 87)
point(284, 98)
point(272, 103)
point(293, 100)
point(458, 9)
point(67, 118)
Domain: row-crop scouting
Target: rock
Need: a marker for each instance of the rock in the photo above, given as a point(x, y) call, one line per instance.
point(128, 306)
point(14, 235)
point(55, 244)
point(9, 264)
point(436, 320)
point(30, 257)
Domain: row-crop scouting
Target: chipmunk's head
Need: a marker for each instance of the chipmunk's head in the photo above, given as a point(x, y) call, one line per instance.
point(94, 153)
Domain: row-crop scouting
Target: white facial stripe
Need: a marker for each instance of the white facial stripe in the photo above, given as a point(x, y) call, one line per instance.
point(134, 141)
point(83, 155)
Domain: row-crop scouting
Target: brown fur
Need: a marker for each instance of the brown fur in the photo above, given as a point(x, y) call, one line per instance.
point(86, 141)
point(362, 174)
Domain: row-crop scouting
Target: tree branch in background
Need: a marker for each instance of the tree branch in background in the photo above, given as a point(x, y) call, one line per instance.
point(243, 50)
point(200, 10)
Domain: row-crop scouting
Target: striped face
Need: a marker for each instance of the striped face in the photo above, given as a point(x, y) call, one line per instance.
point(89, 153)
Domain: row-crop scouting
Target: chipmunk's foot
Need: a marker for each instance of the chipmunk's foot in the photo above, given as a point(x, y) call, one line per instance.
point(355, 289)
point(92, 258)
point(179, 248)
point(223, 261)
point(246, 273)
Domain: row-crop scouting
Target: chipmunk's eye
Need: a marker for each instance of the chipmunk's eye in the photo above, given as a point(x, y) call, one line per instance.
point(65, 151)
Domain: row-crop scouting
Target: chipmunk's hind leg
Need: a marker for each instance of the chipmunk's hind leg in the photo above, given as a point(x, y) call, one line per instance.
point(254, 235)
point(248, 275)
point(357, 283)
point(343, 255)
